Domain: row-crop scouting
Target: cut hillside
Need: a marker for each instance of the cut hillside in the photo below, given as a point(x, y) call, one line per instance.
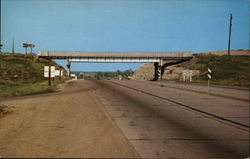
point(145, 72)
point(21, 75)
point(172, 70)
point(226, 70)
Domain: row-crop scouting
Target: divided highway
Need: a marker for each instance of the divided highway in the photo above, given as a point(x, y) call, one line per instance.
point(125, 119)
point(163, 122)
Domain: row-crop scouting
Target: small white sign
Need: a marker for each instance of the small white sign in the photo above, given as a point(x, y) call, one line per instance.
point(187, 74)
point(57, 72)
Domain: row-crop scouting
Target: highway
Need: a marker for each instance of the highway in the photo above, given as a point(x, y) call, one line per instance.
point(112, 118)
point(166, 122)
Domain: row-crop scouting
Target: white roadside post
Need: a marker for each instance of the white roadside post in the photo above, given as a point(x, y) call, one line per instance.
point(209, 75)
point(190, 75)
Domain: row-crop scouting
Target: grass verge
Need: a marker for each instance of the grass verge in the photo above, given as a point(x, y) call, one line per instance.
point(23, 75)
point(27, 89)
point(226, 70)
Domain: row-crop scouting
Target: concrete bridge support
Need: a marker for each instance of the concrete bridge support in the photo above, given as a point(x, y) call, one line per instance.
point(68, 67)
point(157, 71)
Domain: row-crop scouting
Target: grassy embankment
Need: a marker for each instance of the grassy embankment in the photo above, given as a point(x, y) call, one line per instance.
point(226, 70)
point(20, 75)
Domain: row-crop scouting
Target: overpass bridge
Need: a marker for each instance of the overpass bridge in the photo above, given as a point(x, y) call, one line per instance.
point(119, 57)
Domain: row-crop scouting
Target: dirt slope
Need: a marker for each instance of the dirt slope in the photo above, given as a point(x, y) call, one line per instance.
point(171, 72)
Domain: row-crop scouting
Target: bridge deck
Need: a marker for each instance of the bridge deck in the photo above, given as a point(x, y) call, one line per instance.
point(66, 54)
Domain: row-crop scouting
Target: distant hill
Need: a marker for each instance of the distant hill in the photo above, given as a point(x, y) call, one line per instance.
point(18, 71)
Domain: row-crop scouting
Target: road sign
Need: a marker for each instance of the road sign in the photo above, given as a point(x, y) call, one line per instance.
point(46, 68)
point(46, 71)
point(25, 45)
point(187, 74)
point(57, 73)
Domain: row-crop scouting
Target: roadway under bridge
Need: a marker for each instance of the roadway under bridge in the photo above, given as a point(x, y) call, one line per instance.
point(158, 58)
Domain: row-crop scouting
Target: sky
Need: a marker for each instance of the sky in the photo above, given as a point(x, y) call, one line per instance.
point(123, 25)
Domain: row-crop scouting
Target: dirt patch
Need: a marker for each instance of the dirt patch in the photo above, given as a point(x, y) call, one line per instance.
point(4, 109)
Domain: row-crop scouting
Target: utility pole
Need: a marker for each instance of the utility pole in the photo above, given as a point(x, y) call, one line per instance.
point(1, 45)
point(13, 46)
point(229, 40)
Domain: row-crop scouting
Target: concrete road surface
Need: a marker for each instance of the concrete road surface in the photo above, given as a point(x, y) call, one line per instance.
point(125, 119)
point(163, 122)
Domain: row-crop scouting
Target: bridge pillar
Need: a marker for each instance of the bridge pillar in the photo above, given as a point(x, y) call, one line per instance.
point(157, 71)
point(68, 67)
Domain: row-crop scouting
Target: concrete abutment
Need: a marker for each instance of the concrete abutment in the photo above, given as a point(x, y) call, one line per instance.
point(157, 71)
point(68, 67)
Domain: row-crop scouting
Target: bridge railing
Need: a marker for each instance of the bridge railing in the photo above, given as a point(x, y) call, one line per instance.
point(65, 54)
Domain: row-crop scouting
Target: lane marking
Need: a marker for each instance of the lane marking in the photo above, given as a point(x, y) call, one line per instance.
point(189, 107)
